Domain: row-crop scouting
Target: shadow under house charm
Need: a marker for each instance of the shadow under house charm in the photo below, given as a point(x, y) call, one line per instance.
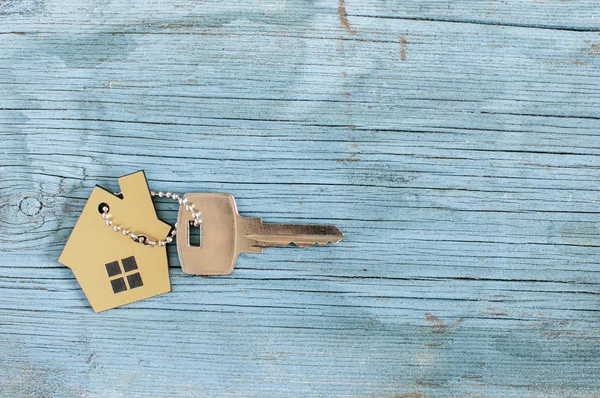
point(112, 270)
point(117, 248)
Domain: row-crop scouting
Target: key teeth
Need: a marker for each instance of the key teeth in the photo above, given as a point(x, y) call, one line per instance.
point(301, 245)
point(304, 238)
point(314, 243)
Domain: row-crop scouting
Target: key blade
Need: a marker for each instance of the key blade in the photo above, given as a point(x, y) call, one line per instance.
point(302, 235)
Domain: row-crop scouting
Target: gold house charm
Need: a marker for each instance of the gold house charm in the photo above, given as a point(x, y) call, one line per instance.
point(111, 269)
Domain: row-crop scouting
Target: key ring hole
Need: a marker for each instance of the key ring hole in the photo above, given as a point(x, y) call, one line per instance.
point(101, 207)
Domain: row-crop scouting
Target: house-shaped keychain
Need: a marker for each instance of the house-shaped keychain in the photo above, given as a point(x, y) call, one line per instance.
point(112, 269)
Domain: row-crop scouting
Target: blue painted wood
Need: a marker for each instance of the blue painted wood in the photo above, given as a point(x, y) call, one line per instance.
point(455, 144)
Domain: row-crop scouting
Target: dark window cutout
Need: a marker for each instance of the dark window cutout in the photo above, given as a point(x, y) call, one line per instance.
point(134, 280)
point(194, 235)
point(129, 264)
point(118, 285)
point(113, 268)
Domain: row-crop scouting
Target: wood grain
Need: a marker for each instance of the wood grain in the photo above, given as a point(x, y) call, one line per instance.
point(454, 143)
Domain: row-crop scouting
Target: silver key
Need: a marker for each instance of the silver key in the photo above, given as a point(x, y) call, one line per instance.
point(224, 234)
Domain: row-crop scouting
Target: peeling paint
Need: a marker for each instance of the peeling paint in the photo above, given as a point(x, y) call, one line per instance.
point(343, 16)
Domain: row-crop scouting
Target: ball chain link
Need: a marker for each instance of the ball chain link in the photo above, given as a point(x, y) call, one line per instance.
point(140, 238)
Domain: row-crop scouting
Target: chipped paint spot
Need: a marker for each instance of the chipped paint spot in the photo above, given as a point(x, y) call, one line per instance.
point(439, 327)
point(403, 42)
point(343, 16)
point(352, 158)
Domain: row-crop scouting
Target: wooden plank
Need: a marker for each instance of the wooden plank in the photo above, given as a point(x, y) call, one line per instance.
point(456, 145)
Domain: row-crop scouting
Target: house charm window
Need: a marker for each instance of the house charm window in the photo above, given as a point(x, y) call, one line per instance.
point(123, 275)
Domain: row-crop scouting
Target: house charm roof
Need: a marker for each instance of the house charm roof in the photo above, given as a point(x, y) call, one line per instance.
point(113, 271)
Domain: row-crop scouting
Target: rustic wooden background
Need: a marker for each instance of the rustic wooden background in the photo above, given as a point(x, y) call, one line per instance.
point(456, 143)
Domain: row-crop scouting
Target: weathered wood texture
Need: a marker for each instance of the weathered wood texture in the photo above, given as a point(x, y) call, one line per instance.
point(456, 143)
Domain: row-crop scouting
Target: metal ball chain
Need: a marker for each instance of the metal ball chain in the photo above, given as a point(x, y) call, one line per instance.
point(140, 238)
point(182, 202)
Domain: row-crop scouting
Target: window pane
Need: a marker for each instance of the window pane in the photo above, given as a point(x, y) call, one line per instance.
point(113, 268)
point(118, 285)
point(134, 280)
point(129, 264)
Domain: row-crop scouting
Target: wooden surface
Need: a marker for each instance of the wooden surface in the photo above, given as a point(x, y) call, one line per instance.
point(456, 144)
